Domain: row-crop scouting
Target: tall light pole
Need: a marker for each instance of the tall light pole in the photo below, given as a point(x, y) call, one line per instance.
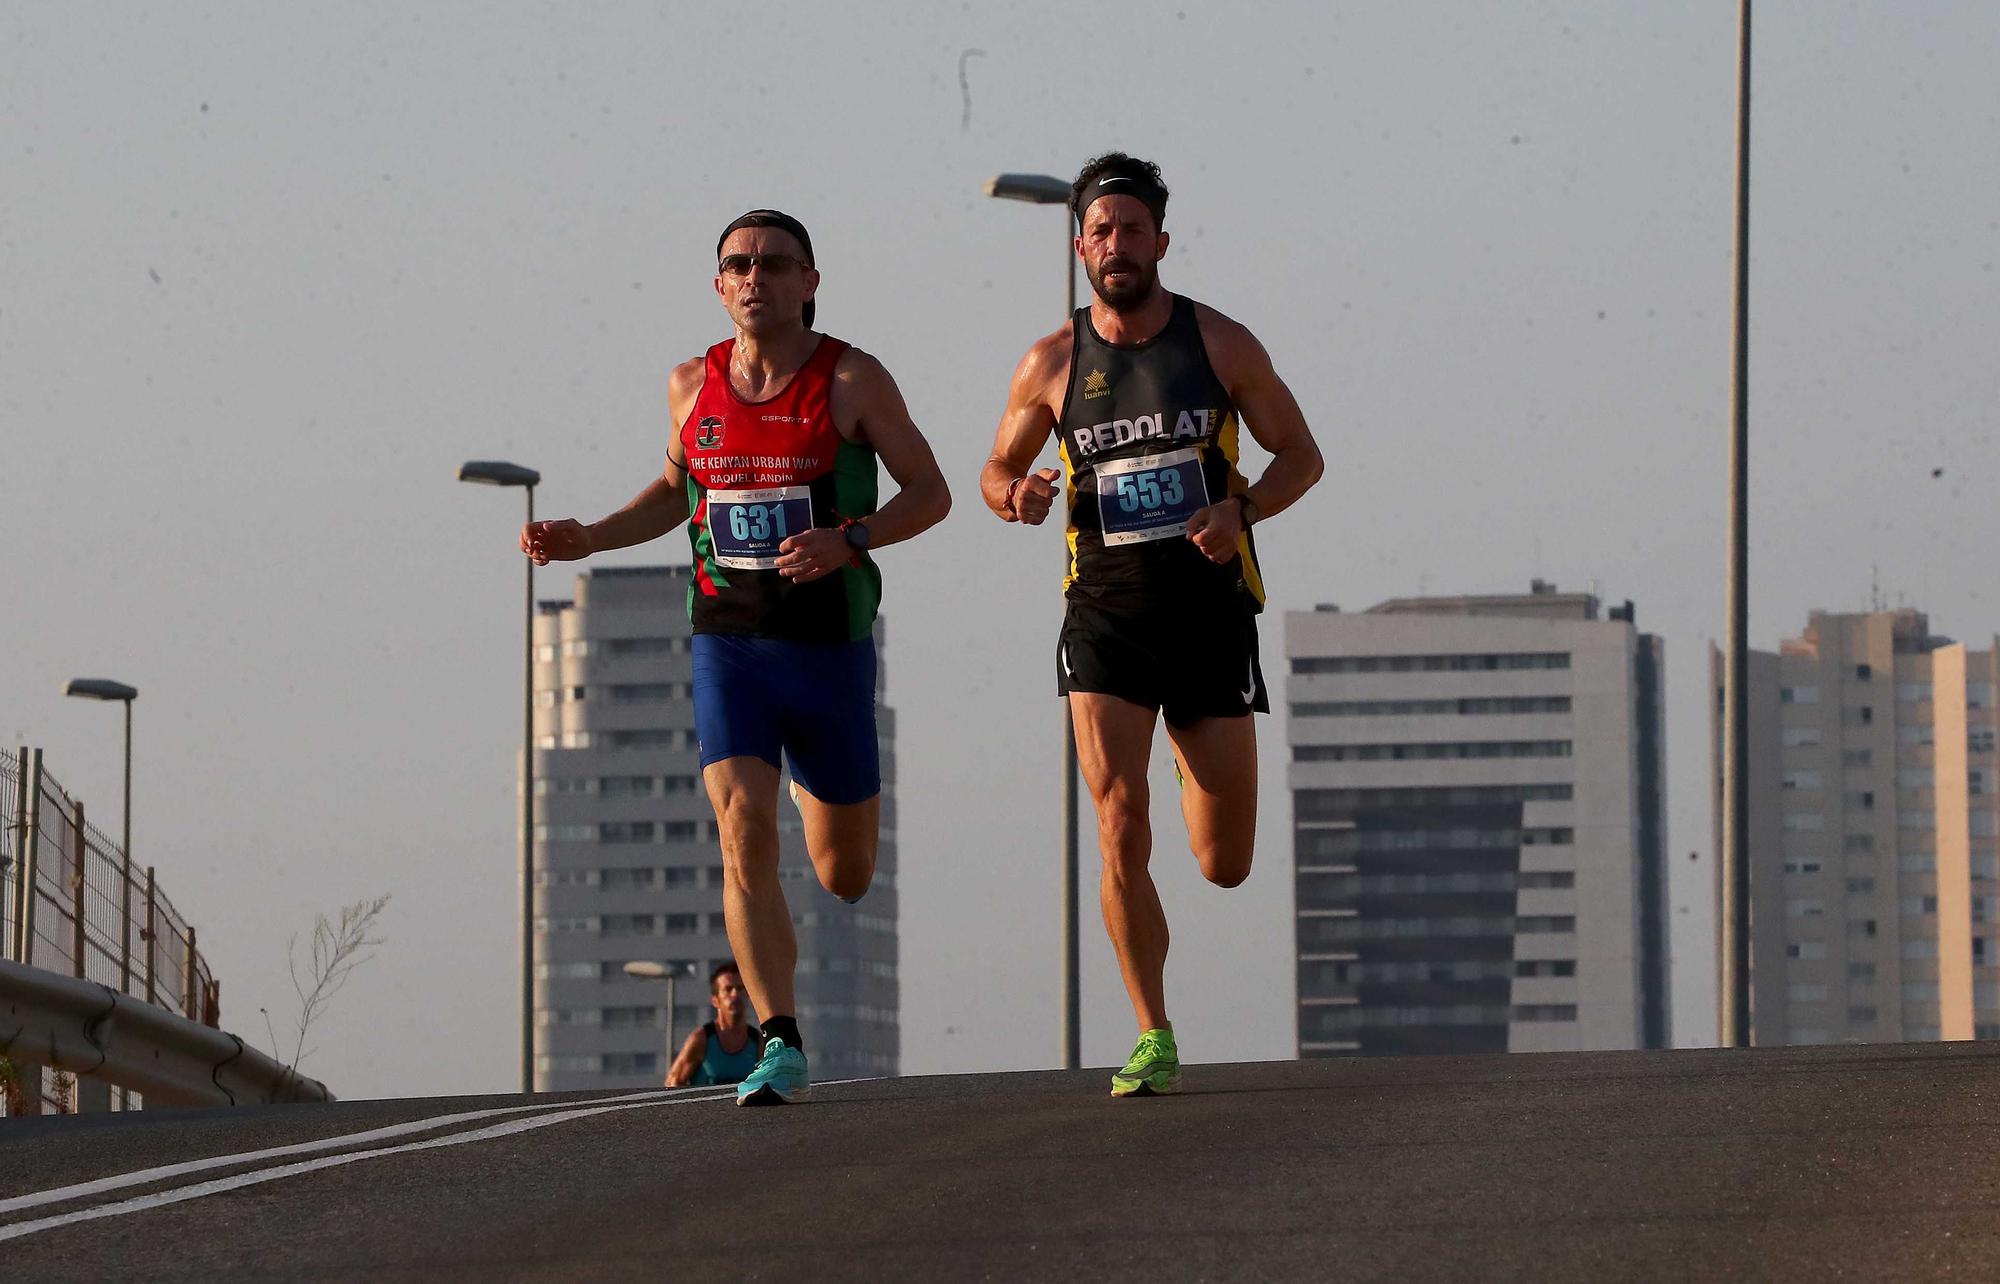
point(1733, 934)
point(646, 970)
point(1046, 189)
point(106, 689)
point(488, 472)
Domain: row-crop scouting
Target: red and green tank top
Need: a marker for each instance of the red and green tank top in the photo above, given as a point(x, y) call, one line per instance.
point(762, 471)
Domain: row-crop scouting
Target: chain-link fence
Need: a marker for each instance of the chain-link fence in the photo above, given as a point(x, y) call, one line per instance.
point(73, 903)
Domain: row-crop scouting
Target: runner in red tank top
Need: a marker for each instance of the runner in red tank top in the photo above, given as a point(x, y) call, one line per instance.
point(772, 467)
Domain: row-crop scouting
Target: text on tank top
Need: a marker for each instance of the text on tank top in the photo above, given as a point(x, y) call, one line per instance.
point(758, 473)
point(1149, 436)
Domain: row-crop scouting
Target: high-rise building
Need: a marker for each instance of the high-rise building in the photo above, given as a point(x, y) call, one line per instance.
point(628, 866)
point(1873, 843)
point(1478, 826)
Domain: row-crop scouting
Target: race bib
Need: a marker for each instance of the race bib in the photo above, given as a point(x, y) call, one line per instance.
point(1150, 497)
point(748, 525)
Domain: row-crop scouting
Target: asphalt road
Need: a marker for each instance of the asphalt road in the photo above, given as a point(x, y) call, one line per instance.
point(1862, 1163)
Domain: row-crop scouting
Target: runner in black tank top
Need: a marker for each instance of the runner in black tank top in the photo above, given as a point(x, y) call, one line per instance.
point(1142, 392)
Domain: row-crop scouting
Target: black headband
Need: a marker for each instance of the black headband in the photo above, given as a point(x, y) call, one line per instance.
point(784, 223)
point(1121, 181)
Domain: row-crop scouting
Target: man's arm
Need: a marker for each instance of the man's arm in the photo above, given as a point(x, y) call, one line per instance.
point(1005, 484)
point(681, 1073)
point(866, 397)
point(1275, 422)
point(653, 512)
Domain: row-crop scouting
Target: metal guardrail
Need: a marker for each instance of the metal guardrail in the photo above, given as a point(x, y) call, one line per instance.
point(72, 904)
point(93, 1032)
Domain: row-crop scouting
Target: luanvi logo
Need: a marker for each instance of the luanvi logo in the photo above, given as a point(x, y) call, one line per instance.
point(708, 433)
point(1096, 385)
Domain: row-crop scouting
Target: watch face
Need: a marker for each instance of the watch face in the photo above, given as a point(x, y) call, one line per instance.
point(857, 536)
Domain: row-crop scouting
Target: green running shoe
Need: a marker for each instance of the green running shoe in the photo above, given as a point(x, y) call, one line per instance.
point(1154, 1070)
point(779, 1079)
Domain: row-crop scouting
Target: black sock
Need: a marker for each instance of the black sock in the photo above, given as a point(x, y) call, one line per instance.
point(784, 1027)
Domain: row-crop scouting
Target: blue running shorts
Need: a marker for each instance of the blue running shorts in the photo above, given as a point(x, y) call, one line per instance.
point(811, 702)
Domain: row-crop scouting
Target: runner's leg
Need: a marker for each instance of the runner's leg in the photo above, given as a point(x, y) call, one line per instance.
point(1218, 764)
point(841, 842)
point(744, 793)
point(1114, 740)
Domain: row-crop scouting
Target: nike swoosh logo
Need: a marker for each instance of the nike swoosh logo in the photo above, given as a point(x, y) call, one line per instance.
point(1250, 692)
point(1067, 671)
point(1106, 182)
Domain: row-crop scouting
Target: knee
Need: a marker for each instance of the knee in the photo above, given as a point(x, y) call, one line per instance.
point(1226, 873)
point(847, 875)
point(748, 840)
point(1124, 827)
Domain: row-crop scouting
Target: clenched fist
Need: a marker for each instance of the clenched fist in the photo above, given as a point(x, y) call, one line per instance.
point(1035, 495)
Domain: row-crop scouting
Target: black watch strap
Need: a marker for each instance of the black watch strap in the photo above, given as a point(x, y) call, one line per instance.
point(1247, 507)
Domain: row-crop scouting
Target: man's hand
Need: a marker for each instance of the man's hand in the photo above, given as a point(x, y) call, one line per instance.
point(816, 553)
point(1214, 530)
point(564, 540)
point(1035, 495)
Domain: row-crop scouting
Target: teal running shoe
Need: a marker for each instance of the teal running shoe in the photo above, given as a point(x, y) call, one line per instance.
point(779, 1079)
point(1154, 1070)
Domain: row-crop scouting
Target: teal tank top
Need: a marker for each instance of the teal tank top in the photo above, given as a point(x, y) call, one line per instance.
point(718, 1066)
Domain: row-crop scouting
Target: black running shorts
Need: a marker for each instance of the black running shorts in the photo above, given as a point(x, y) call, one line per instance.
point(1189, 664)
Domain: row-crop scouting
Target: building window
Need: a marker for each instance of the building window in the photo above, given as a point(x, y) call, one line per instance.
point(1854, 844)
point(1913, 692)
point(1537, 967)
point(1429, 708)
point(1802, 780)
point(1979, 740)
point(1806, 993)
point(1861, 1015)
point(1920, 948)
point(1863, 672)
point(1804, 907)
point(1801, 821)
point(1919, 734)
point(1802, 867)
point(1860, 886)
point(1861, 973)
point(1431, 751)
point(1858, 716)
point(1798, 695)
point(1857, 757)
point(1544, 1012)
point(1429, 663)
point(1979, 695)
point(1800, 737)
point(1806, 950)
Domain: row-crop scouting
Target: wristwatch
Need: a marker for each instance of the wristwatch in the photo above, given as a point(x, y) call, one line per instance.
point(857, 536)
point(1248, 507)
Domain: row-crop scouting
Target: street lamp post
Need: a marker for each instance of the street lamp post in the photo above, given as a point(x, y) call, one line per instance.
point(495, 473)
point(1733, 932)
point(1046, 189)
point(105, 689)
point(649, 971)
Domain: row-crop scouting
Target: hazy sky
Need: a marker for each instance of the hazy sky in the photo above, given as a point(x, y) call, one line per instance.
point(269, 273)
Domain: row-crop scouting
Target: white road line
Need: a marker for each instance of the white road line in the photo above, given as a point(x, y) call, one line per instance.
point(146, 1176)
point(218, 1186)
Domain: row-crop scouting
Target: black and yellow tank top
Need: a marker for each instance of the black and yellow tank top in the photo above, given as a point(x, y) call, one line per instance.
point(1148, 436)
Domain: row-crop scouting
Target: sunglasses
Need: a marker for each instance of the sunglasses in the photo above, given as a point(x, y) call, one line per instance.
point(775, 264)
